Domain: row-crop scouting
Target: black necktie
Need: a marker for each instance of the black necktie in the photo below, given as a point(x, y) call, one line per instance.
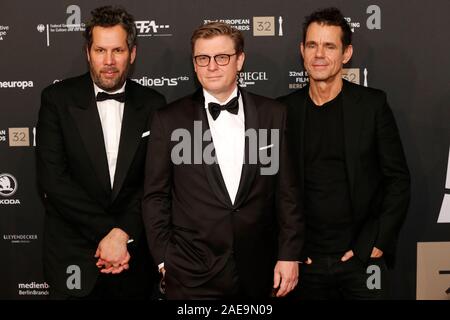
point(102, 96)
point(232, 106)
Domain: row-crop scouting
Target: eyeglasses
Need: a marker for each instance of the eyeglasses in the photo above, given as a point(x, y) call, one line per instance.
point(221, 59)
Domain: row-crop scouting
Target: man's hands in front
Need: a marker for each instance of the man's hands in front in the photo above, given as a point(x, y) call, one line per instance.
point(285, 277)
point(376, 253)
point(112, 252)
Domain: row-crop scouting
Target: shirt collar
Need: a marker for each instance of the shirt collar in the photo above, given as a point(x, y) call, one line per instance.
point(97, 89)
point(210, 98)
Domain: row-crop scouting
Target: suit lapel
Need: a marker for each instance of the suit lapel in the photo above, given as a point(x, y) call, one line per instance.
point(133, 123)
point(87, 119)
point(299, 123)
point(212, 171)
point(248, 170)
point(353, 121)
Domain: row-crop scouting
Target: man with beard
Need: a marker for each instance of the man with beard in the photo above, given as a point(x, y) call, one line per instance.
point(92, 135)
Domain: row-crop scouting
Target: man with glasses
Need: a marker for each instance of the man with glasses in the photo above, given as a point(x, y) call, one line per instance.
point(221, 229)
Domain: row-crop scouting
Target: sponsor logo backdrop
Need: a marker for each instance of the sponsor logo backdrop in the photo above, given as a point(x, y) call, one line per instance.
point(399, 45)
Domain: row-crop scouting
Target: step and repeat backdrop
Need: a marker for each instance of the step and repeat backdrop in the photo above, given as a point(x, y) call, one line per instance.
point(400, 46)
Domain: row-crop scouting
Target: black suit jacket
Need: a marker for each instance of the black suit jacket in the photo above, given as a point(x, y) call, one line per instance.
point(377, 171)
point(73, 173)
point(191, 224)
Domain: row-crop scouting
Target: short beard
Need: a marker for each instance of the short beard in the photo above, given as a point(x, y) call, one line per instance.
point(108, 85)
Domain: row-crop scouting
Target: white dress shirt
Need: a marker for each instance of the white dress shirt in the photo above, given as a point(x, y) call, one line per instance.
point(228, 134)
point(111, 114)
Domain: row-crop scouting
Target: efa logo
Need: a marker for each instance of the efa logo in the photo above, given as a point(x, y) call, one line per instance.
point(8, 185)
point(148, 28)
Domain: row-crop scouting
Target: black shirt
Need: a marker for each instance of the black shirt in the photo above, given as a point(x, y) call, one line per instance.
point(327, 198)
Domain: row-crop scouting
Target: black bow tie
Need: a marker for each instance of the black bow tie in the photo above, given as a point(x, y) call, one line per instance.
point(232, 106)
point(102, 96)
